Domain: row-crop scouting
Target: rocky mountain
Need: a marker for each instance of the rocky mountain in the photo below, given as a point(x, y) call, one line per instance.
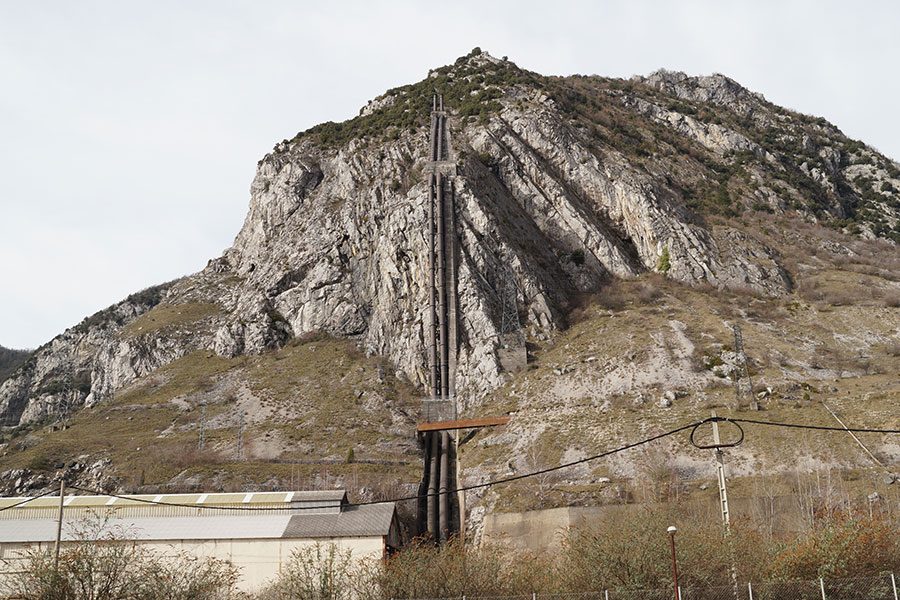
point(10, 360)
point(566, 186)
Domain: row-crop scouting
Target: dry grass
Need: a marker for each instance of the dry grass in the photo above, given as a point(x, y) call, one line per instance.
point(618, 294)
point(163, 316)
point(313, 393)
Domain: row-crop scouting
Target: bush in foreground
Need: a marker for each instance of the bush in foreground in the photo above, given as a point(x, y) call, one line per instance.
point(101, 566)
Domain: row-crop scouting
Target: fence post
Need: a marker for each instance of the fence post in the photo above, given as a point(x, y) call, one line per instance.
point(894, 585)
point(822, 587)
point(606, 593)
point(750, 590)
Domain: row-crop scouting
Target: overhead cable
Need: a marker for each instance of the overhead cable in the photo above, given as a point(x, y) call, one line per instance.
point(692, 426)
point(406, 498)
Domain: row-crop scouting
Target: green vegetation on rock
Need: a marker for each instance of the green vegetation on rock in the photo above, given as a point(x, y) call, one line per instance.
point(469, 89)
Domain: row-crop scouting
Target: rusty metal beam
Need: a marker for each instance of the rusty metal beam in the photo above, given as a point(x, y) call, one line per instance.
point(463, 424)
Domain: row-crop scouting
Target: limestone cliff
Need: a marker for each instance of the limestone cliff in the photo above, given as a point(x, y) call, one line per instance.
point(562, 184)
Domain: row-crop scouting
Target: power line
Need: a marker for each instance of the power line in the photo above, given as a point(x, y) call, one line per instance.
point(692, 426)
point(804, 426)
point(417, 496)
point(26, 500)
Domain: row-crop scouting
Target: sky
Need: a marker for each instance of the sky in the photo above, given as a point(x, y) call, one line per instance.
point(130, 131)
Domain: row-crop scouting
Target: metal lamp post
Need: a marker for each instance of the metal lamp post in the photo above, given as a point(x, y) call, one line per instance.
point(672, 531)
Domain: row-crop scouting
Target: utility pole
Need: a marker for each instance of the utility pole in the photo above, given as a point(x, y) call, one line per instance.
point(671, 532)
point(720, 474)
point(59, 520)
point(742, 372)
point(510, 327)
point(723, 499)
point(240, 444)
point(202, 441)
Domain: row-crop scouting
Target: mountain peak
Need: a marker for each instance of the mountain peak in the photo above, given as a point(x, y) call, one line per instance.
point(716, 88)
point(563, 188)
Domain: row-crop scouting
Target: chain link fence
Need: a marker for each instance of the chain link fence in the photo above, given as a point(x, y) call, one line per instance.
point(883, 587)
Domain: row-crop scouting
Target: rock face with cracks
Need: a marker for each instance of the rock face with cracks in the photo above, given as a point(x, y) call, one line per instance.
point(549, 193)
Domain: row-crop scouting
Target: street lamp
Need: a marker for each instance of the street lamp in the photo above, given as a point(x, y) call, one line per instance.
point(672, 531)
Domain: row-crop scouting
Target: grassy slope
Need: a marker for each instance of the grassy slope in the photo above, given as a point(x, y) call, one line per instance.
point(308, 402)
point(596, 385)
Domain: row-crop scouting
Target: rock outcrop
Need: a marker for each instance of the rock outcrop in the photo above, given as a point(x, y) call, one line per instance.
point(561, 184)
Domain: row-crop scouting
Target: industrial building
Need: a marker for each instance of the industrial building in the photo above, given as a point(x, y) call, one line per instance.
point(258, 541)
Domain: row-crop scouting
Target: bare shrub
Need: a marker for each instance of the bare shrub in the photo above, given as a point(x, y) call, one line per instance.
point(840, 298)
point(809, 290)
point(629, 549)
point(648, 292)
point(537, 458)
point(767, 310)
point(102, 565)
point(742, 292)
point(828, 356)
point(891, 299)
point(876, 292)
point(840, 544)
point(320, 572)
point(307, 337)
point(611, 296)
point(186, 454)
point(661, 476)
point(205, 383)
point(892, 348)
point(580, 308)
point(454, 570)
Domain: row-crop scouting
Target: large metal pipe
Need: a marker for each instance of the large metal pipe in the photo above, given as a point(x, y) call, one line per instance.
point(434, 136)
point(443, 501)
point(440, 136)
point(451, 275)
point(442, 284)
point(432, 506)
point(422, 495)
point(460, 495)
point(431, 339)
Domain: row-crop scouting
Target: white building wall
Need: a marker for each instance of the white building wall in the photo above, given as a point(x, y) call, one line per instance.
point(260, 560)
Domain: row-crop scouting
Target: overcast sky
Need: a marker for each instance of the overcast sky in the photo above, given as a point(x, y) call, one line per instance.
point(130, 131)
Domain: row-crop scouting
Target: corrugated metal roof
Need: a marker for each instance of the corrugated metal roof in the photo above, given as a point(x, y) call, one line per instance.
point(362, 521)
point(318, 496)
point(151, 528)
point(356, 521)
point(215, 499)
point(44, 502)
